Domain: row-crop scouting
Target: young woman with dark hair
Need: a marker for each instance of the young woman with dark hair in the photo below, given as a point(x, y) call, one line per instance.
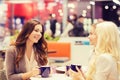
point(28, 53)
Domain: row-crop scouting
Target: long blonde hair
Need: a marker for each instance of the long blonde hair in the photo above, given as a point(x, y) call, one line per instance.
point(108, 41)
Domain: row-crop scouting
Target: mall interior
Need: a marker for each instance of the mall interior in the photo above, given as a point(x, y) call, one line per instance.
point(63, 49)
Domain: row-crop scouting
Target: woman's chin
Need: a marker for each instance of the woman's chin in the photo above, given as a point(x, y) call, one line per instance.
point(36, 41)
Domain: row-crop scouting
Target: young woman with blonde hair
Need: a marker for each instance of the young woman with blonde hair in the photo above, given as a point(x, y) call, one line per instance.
point(105, 61)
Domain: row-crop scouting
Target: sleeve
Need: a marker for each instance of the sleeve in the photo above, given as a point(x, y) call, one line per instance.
point(103, 67)
point(10, 65)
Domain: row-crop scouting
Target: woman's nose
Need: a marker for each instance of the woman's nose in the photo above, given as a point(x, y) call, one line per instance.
point(38, 33)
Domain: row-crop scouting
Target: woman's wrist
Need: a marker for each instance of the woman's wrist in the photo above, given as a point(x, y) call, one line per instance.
point(26, 75)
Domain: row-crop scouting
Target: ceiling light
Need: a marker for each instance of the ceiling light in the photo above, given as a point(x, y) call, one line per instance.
point(116, 1)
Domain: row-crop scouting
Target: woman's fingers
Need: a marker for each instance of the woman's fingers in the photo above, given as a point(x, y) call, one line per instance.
point(77, 75)
point(35, 72)
point(78, 69)
point(80, 72)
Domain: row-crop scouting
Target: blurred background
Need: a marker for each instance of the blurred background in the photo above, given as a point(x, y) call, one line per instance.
point(13, 13)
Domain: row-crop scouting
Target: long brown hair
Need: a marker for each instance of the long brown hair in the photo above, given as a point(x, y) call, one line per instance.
point(40, 48)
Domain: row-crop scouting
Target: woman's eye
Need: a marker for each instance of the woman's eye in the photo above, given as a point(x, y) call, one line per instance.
point(36, 30)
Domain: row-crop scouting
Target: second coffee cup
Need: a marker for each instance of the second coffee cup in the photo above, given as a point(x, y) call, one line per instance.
point(73, 67)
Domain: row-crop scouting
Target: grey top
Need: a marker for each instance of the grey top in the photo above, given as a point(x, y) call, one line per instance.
point(12, 72)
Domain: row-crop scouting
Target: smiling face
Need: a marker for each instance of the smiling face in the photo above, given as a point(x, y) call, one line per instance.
point(36, 34)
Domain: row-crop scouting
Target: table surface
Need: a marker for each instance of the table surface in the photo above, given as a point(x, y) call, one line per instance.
point(55, 76)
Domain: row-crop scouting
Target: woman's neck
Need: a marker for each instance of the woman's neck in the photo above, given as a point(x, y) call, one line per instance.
point(29, 49)
point(29, 44)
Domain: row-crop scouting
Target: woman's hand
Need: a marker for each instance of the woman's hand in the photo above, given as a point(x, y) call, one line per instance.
point(76, 75)
point(35, 72)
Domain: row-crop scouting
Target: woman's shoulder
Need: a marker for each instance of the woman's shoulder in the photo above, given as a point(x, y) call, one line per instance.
point(105, 63)
point(105, 55)
point(105, 58)
point(11, 49)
